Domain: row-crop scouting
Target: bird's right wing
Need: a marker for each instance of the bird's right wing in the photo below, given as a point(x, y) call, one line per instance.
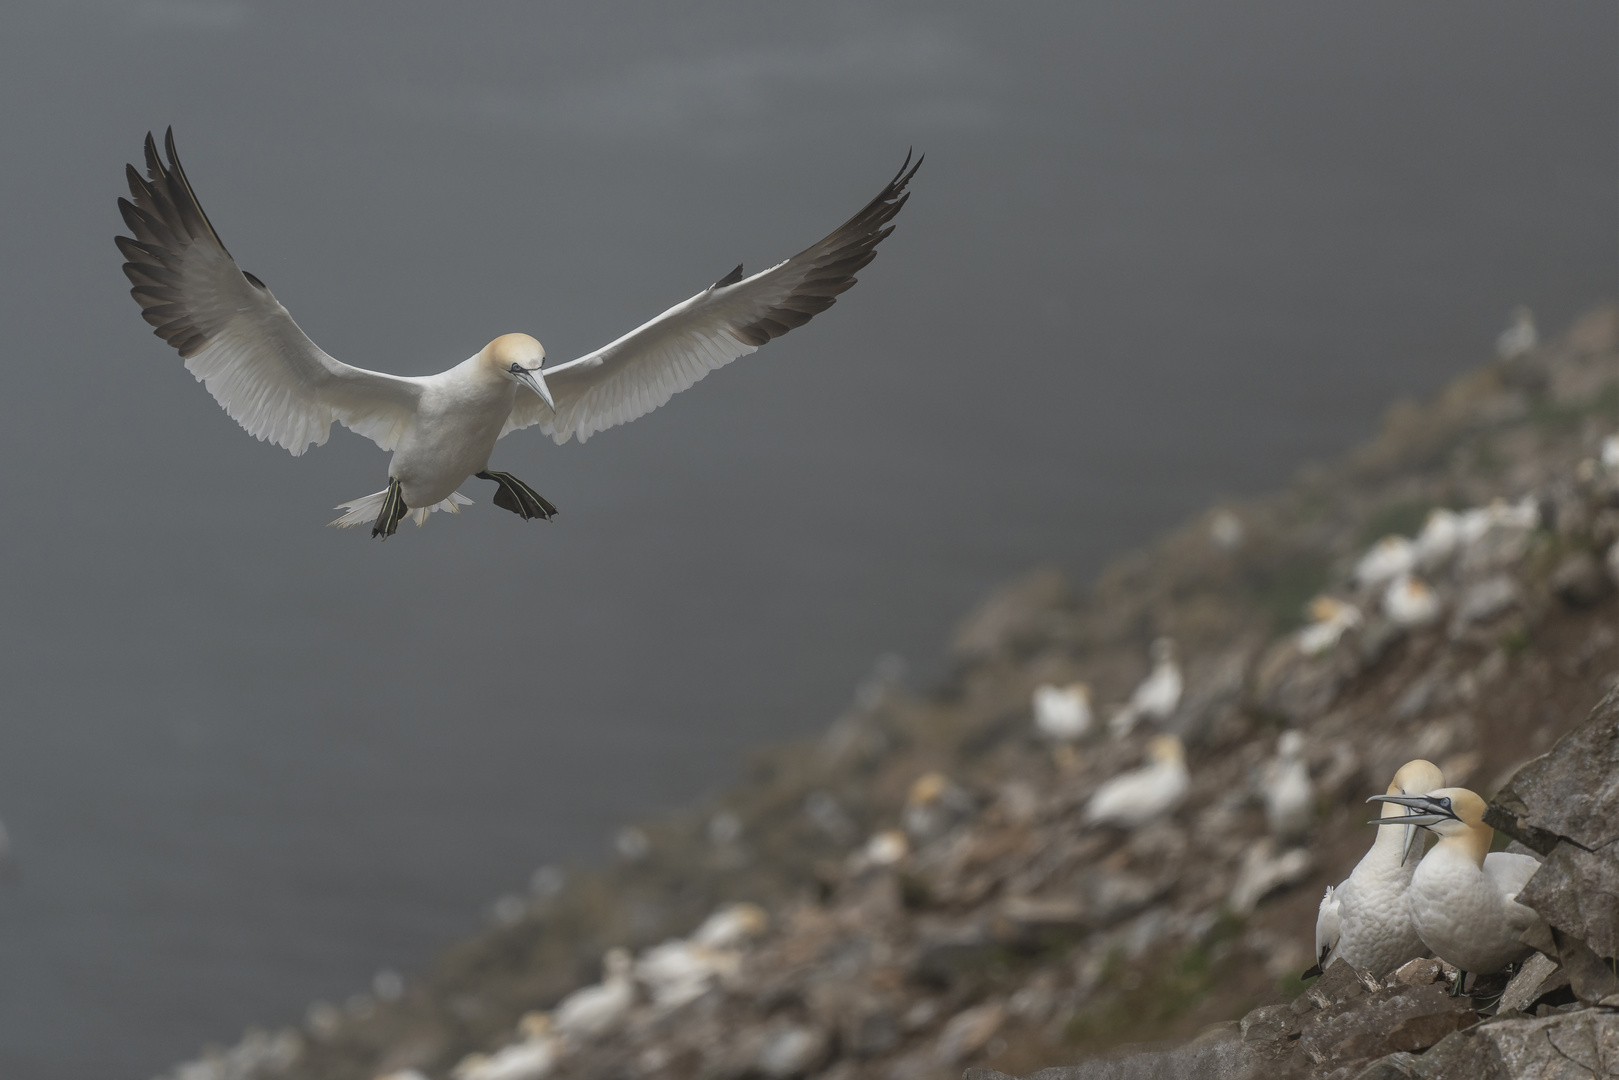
point(233, 334)
point(630, 377)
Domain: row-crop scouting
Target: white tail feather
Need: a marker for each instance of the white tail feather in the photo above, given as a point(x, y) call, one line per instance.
point(364, 511)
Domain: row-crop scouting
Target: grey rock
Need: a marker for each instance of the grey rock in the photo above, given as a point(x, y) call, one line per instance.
point(1577, 891)
point(1580, 581)
point(1218, 1054)
point(1526, 985)
point(1571, 791)
point(1564, 1046)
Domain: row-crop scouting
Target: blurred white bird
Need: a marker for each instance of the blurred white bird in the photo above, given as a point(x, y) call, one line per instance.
point(1225, 529)
point(1157, 696)
point(1520, 338)
point(1440, 536)
point(1062, 713)
point(242, 344)
point(1384, 561)
point(1463, 897)
point(593, 1011)
point(1364, 920)
point(1289, 797)
point(732, 926)
point(1330, 620)
point(1134, 798)
point(935, 805)
point(534, 1058)
point(1409, 602)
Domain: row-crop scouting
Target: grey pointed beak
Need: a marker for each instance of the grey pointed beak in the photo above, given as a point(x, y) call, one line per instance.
point(1417, 802)
point(535, 381)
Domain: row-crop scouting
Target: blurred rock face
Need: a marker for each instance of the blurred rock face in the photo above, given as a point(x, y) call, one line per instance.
point(927, 890)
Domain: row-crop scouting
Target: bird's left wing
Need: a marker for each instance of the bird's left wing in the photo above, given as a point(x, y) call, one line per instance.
point(646, 367)
point(234, 335)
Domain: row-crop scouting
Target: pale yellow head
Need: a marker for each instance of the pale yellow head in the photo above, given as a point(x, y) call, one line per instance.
point(1416, 777)
point(1165, 748)
point(517, 357)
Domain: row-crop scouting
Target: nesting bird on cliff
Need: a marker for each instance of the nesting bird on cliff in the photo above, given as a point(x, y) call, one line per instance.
point(681, 970)
point(1409, 602)
point(1330, 620)
point(1440, 536)
point(1289, 797)
point(1062, 713)
point(1132, 799)
point(239, 341)
point(593, 1011)
point(1463, 897)
point(1158, 694)
point(1384, 561)
point(1520, 338)
point(534, 1057)
point(1363, 920)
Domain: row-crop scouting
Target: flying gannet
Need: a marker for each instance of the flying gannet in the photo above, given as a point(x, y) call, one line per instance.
point(1463, 897)
point(1363, 919)
point(243, 345)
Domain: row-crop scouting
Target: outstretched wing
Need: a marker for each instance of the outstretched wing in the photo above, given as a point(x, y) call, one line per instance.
point(646, 367)
point(233, 334)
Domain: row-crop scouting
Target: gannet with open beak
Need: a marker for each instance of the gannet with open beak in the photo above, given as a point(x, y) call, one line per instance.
point(1462, 898)
point(243, 345)
point(1363, 919)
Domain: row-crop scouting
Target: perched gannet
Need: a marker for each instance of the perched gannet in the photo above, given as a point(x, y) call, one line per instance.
point(1462, 898)
point(533, 1058)
point(1440, 536)
point(1384, 561)
point(1409, 601)
point(682, 969)
point(1135, 798)
point(1289, 798)
point(935, 805)
point(1520, 338)
point(1363, 920)
point(593, 1011)
point(243, 345)
point(1330, 620)
point(1155, 699)
point(1062, 713)
point(1225, 529)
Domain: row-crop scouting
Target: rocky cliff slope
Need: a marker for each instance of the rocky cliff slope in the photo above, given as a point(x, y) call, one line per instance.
point(922, 889)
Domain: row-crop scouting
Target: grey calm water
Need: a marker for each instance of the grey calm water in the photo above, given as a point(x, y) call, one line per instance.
point(1158, 254)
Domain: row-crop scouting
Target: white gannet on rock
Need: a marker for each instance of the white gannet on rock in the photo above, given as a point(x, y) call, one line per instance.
point(1142, 795)
point(1289, 797)
point(1330, 620)
point(1463, 897)
point(935, 805)
point(1520, 338)
point(534, 1058)
point(238, 340)
point(1384, 561)
point(1409, 602)
point(1062, 714)
point(732, 926)
point(681, 970)
point(1440, 536)
point(593, 1011)
point(1363, 919)
point(1157, 696)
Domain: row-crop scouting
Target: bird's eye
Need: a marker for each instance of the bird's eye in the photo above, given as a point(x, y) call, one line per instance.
point(516, 367)
point(1445, 803)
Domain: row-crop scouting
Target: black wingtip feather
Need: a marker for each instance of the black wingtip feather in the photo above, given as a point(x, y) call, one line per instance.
point(729, 279)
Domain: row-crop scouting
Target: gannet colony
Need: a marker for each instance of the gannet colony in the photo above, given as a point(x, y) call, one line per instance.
point(1353, 813)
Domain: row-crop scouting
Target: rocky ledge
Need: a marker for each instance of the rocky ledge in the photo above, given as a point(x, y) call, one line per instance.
point(1557, 1018)
point(926, 888)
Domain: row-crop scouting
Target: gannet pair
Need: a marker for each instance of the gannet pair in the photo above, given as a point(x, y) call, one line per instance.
point(239, 341)
point(1363, 919)
point(1134, 798)
point(1158, 694)
point(1462, 898)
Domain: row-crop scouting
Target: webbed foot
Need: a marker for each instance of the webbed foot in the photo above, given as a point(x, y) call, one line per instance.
point(393, 511)
point(518, 497)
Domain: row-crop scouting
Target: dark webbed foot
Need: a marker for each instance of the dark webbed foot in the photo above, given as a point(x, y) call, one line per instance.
point(518, 497)
point(393, 511)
